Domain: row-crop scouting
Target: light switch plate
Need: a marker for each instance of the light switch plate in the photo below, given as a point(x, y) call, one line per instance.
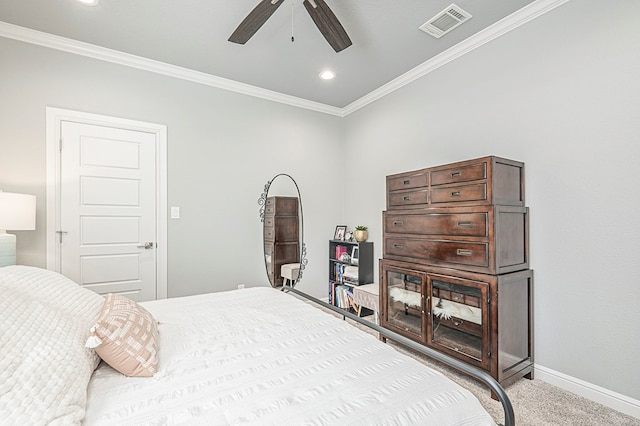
point(175, 212)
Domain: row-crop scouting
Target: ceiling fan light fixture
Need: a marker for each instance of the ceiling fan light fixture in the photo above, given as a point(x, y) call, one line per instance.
point(327, 75)
point(88, 2)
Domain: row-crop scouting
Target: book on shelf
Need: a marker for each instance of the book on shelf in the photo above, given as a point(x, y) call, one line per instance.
point(344, 297)
point(339, 251)
point(339, 272)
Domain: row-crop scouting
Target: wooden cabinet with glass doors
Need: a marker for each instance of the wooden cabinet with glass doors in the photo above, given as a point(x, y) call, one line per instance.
point(484, 320)
point(454, 274)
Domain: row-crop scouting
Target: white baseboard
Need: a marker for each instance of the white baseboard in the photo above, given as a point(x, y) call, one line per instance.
point(603, 396)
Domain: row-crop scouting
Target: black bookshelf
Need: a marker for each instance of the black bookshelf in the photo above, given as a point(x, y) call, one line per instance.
point(346, 272)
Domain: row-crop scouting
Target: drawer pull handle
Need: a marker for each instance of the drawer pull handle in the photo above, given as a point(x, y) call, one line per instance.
point(406, 198)
point(463, 252)
point(406, 182)
point(456, 174)
point(398, 246)
point(455, 194)
point(398, 223)
point(465, 224)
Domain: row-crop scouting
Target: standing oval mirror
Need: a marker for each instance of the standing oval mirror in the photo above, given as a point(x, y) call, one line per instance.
point(282, 231)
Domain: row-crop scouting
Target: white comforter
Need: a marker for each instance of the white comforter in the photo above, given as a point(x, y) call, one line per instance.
point(44, 366)
point(259, 356)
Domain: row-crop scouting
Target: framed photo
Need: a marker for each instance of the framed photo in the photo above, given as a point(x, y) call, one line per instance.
point(340, 231)
point(354, 255)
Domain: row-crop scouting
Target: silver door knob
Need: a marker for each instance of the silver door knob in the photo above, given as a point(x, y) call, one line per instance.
point(147, 246)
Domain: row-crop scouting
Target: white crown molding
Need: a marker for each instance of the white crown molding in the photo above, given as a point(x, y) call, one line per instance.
point(592, 392)
point(511, 22)
point(109, 55)
point(522, 16)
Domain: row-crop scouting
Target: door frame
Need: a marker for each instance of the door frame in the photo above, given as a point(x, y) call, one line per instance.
point(54, 119)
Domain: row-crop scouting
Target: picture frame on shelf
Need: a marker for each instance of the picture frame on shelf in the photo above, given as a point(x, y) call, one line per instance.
point(354, 255)
point(341, 230)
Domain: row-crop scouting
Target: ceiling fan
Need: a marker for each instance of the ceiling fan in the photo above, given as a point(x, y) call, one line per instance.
point(321, 14)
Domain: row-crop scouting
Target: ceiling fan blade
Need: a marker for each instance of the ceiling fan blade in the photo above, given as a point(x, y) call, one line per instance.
point(254, 20)
point(328, 24)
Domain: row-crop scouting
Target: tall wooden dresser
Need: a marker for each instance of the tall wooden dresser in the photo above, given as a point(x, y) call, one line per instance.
point(281, 235)
point(455, 270)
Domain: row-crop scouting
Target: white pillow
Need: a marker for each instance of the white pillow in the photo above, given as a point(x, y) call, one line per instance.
point(44, 366)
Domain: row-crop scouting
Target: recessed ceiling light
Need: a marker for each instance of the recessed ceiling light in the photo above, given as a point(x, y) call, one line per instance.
point(88, 2)
point(327, 75)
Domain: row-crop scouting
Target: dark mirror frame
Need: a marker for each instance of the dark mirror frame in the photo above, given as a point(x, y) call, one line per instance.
point(303, 249)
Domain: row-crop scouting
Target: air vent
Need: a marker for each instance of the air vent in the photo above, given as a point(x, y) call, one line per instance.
point(445, 21)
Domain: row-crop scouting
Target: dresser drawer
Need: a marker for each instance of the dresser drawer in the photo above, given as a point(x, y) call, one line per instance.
point(459, 193)
point(269, 222)
point(282, 206)
point(481, 181)
point(408, 198)
point(438, 251)
point(281, 228)
point(268, 232)
point(408, 181)
point(459, 173)
point(433, 235)
point(456, 224)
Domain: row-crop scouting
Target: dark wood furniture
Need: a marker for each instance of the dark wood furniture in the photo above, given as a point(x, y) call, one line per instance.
point(281, 235)
point(454, 274)
point(483, 181)
point(489, 239)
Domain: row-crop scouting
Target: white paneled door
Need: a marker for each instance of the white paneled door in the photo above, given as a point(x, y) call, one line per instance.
point(108, 205)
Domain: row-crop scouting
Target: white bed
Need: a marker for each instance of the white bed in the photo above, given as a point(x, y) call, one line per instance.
point(251, 356)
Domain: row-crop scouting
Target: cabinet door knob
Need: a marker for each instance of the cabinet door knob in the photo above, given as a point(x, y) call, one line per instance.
point(398, 246)
point(406, 182)
point(398, 223)
point(455, 194)
point(465, 224)
point(463, 252)
point(456, 174)
point(406, 198)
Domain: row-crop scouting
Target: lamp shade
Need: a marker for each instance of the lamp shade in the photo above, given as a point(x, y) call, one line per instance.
point(17, 212)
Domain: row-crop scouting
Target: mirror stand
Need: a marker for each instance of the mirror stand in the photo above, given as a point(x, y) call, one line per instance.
point(285, 253)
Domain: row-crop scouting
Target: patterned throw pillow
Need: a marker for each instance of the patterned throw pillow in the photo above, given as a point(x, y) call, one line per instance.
point(126, 337)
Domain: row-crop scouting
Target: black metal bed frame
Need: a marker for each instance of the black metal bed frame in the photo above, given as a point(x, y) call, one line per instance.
point(482, 376)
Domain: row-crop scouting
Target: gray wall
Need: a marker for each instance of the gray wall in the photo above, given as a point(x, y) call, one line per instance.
point(562, 94)
point(222, 149)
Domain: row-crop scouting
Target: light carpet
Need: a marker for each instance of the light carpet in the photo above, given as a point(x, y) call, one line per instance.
point(535, 403)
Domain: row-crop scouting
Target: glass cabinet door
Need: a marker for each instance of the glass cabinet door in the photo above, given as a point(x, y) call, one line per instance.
point(403, 298)
point(458, 318)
